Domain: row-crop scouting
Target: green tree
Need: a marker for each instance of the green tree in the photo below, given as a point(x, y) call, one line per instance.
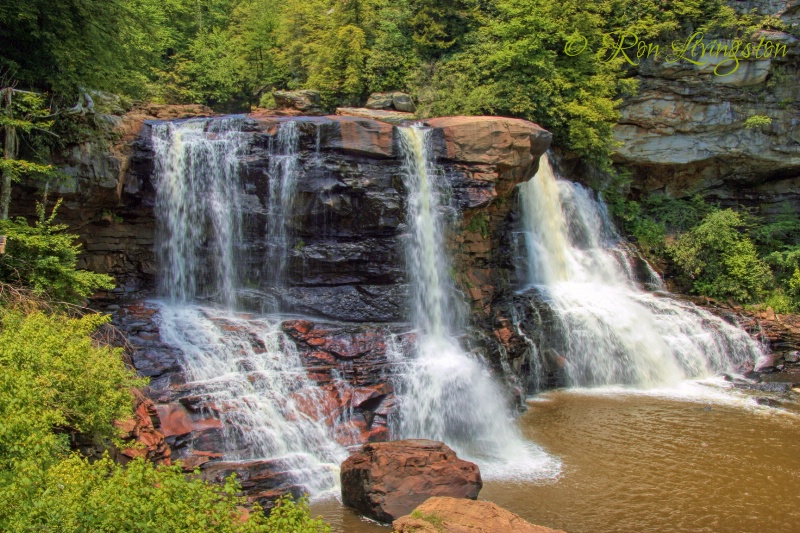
point(721, 260)
point(43, 257)
point(21, 113)
point(437, 26)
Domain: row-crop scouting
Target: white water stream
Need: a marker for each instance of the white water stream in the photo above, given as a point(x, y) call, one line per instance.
point(446, 393)
point(241, 365)
point(607, 329)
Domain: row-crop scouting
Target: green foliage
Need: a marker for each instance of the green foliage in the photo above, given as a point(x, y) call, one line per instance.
point(721, 260)
point(288, 515)
point(55, 380)
point(43, 257)
point(656, 217)
point(757, 121)
point(438, 26)
point(780, 233)
point(72, 383)
point(479, 224)
point(76, 495)
point(63, 45)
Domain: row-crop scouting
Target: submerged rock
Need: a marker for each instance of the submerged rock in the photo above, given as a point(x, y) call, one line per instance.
point(389, 479)
point(443, 515)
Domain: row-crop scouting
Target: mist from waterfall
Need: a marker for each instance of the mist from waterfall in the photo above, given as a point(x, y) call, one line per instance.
point(242, 365)
point(446, 393)
point(605, 329)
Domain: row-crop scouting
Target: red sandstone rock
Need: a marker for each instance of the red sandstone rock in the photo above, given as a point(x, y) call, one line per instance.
point(143, 429)
point(508, 142)
point(389, 479)
point(454, 515)
point(363, 136)
point(176, 420)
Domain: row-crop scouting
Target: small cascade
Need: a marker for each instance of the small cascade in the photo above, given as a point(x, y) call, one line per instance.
point(447, 394)
point(601, 326)
point(197, 207)
point(251, 378)
point(284, 169)
point(241, 369)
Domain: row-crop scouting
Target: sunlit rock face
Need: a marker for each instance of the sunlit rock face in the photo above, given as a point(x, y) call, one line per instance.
point(684, 132)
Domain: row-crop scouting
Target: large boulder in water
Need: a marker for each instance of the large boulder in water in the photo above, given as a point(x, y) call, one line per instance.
point(386, 480)
point(444, 515)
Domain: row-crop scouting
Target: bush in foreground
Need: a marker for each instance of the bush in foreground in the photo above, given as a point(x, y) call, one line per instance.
point(56, 381)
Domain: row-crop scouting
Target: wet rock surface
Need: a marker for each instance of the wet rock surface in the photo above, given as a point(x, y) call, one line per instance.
point(387, 480)
point(349, 363)
point(454, 515)
point(345, 270)
point(347, 224)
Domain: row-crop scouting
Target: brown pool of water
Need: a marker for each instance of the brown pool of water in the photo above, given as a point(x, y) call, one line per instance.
point(644, 463)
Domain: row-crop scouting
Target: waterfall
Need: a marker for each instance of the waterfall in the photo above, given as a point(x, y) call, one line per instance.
point(241, 369)
point(254, 382)
point(284, 167)
point(604, 328)
point(197, 207)
point(445, 393)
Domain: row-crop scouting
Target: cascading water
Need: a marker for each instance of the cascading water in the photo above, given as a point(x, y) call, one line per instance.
point(243, 367)
point(197, 206)
point(447, 394)
point(258, 388)
point(604, 328)
point(284, 166)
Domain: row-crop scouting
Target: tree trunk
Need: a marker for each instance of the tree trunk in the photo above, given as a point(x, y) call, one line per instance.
point(9, 153)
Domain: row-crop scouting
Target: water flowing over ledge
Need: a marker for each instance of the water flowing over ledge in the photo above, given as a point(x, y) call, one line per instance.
point(290, 252)
point(446, 393)
point(602, 328)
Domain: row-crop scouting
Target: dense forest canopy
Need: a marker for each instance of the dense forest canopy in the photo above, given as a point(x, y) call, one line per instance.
point(500, 57)
point(463, 56)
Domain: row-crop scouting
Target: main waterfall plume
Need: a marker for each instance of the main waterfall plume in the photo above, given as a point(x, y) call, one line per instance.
point(241, 365)
point(197, 169)
point(604, 328)
point(448, 394)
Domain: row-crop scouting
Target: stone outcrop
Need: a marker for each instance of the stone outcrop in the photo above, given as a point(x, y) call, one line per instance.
point(684, 132)
point(143, 434)
point(453, 515)
point(305, 102)
point(387, 480)
point(346, 260)
point(392, 117)
point(506, 142)
point(392, 100)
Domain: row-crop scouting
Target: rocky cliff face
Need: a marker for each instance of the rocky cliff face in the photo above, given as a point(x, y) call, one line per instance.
point(346, 273)
point(684, 133)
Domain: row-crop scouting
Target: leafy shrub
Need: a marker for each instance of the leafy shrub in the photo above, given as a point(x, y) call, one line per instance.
point(288, 515)
point(55, 381)
point(77, 495)
point(721, 260)
point(757, 121)
point(71, 382)
point(43, 257)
